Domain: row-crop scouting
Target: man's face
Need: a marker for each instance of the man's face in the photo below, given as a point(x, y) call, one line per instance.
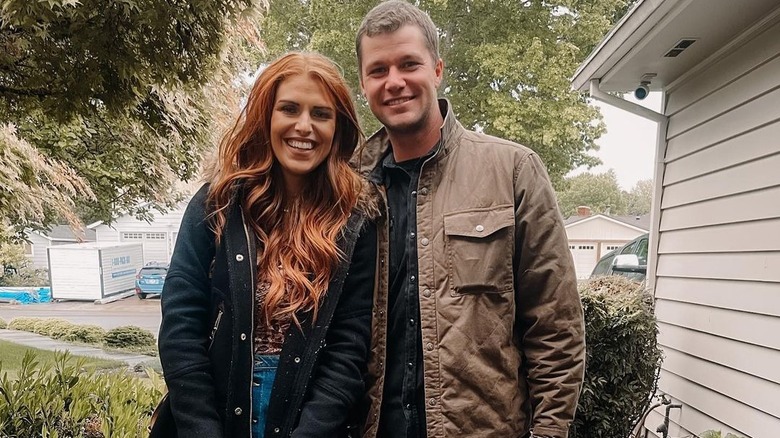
point(399, 79)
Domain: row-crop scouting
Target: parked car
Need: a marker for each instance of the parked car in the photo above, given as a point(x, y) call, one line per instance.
point(150, 280)
point(629, 260)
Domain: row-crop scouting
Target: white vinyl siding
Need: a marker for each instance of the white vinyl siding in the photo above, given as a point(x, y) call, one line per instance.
point(717, 283)
point(158, 236)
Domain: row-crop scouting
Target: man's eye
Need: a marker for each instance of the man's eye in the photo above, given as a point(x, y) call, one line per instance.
point(377, 71)
point(410, 64)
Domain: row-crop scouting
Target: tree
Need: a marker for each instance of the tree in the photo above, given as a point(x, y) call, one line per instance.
point(639, 200)
point(508, 63)
point(106, 105)
point(600, 192)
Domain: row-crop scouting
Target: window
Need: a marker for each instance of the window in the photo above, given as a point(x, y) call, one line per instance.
point(155, 236)
point(612, 247)
point(586, 247)
point(641, 251)
point(572, 246)
point(132, 236)
point(28, 249)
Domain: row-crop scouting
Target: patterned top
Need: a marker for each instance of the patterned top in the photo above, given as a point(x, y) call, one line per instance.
point(268, 338)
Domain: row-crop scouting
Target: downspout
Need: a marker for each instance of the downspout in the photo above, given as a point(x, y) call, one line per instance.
point(662, 122)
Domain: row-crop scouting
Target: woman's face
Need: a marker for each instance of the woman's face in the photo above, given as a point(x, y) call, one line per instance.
point(303, 123)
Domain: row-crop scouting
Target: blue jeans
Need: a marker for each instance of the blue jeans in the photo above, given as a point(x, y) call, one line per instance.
point(262, 383)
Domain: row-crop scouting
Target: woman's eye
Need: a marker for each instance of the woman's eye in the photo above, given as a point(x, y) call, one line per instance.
point(289, 109)
point(322, 114)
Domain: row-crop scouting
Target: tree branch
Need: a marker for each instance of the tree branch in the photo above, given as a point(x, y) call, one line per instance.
point(40, 92)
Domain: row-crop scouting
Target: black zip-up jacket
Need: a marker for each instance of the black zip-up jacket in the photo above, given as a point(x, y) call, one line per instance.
point(206, 341)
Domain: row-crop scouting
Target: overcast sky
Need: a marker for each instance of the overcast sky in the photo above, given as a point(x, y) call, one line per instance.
point(629, 144)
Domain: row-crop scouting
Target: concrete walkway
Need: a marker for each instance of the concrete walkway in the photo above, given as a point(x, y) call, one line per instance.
point(42, 342)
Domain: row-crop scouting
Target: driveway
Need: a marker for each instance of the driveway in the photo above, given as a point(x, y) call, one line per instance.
point(127, 311)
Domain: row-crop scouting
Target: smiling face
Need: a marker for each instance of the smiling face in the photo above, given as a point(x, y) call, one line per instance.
point(399, 78)
point(303, 124)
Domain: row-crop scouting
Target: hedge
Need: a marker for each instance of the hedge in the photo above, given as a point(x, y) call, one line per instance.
point(623, 358)
point(66, 401)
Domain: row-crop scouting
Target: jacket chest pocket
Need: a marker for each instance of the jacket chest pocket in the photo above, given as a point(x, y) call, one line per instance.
point(479, 245)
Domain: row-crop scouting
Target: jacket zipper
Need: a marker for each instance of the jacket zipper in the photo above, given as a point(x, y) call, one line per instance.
point(220, 312)
point(250, 258)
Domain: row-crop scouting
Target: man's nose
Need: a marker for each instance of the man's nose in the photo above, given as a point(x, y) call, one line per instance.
point(395, 79)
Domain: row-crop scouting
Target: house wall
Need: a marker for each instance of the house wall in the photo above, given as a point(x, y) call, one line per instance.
point(39, 257)
point(717, 279)
point(158, 236)
point(40, 244)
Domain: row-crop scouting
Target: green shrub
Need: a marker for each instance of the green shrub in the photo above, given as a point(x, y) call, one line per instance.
point(3, 324)
point(53, 327)
point(129, 336)
point(85, 333)
point(717, 434)
point(24, 323)
point(67, 401)
point(623, 358)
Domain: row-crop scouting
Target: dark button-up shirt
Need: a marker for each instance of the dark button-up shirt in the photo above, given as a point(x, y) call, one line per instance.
point(403, 406)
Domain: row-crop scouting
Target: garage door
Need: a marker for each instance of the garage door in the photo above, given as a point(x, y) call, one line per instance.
point(155, 244)
point(584, 255)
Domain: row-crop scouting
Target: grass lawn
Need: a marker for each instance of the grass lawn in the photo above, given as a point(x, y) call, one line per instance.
point(11, 357)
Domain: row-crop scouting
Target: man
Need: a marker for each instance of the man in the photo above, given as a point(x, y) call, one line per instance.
point(478, 328)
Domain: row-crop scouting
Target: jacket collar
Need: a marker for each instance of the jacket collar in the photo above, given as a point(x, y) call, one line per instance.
point(368, 159)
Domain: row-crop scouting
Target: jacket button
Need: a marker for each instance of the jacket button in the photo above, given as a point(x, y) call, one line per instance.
point(424, 191)
point(479, 228)
point(243, 336)
point(297, 360)
point(432, 402)
point(427, 293)
point(239, 257)
point(238, 411)
point(424, 241)
point(276, 430)
point(429, 346)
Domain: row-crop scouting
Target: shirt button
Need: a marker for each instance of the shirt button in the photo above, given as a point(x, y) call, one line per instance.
point(427, 293)
point(410, 365)
point(412, 278)
point(297, 360)
point(276, 430)
point(238, 411)
point(424, 241)
point(408, 406)
point(429, 346)
point(239, 258)
point(411, 235)
point(243, 336)
point(479, 228)
point(424, 191)
point(414, 193)
point(411, 322)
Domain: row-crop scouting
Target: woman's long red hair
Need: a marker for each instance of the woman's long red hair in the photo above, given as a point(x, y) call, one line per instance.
point(297, 251)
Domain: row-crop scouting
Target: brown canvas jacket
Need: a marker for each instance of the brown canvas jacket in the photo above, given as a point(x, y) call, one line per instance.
point(501, 319)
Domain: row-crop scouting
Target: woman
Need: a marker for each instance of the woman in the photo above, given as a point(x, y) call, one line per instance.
point(258, 279)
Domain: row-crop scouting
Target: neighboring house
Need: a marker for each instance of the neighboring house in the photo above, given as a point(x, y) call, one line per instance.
point(157, 236)
point(592, 236)
point(40, 241)
point(715, 236)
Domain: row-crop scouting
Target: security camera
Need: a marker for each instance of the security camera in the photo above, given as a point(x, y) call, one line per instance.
point(642, 91)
